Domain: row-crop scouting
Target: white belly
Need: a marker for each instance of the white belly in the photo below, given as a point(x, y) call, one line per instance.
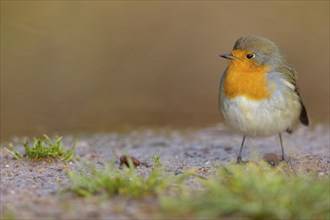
point(254, 118)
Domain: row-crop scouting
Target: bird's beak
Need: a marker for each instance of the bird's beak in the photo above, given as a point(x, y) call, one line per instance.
point(227, 56)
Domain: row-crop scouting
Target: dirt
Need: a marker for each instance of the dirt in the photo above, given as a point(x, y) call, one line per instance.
point(33, 189)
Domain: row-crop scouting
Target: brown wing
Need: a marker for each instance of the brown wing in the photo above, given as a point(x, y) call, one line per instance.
point(289, 70)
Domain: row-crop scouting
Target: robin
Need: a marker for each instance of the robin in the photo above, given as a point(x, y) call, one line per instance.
point(258, 94)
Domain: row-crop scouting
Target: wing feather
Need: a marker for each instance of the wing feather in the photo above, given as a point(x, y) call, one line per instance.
point(292, 84)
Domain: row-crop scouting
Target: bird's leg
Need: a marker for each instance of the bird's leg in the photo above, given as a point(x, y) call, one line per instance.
point(283, 154)
point(239, 158)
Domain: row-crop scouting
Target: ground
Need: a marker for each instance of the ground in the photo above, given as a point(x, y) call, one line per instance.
point(33, 188)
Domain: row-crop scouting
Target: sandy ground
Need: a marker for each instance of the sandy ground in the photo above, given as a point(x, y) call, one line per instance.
point(33, 189)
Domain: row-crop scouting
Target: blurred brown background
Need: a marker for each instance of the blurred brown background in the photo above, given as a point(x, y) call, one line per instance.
point(69, 66)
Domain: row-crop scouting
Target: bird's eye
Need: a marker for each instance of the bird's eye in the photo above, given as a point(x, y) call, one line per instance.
point(250, 56)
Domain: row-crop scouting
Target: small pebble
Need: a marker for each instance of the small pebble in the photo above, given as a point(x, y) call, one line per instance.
point(125, 160)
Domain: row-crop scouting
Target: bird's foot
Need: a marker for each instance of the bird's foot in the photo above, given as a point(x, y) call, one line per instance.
point(240, 161)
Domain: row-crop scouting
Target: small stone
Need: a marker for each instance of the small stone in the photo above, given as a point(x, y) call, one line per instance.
point(321, 173)
point(125, 160)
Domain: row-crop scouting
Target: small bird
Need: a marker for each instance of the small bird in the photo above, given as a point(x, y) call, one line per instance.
point(258, 94)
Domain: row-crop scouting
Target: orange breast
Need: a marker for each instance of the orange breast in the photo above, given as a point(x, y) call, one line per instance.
point(245, 78)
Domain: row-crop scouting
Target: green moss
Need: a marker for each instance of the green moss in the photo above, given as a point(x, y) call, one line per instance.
point(113, 181)
point(12, 152)
point(256, 191)
point(44, 148)
point(253, 191)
